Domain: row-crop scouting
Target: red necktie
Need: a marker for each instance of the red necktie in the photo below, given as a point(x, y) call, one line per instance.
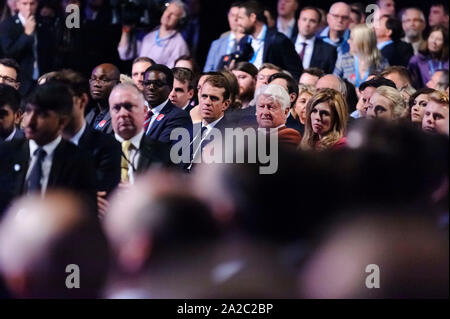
point(148, 117)
point(302, 52)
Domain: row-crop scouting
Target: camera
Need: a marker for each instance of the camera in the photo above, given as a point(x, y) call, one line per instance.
point(243, 54)
point(137, 13)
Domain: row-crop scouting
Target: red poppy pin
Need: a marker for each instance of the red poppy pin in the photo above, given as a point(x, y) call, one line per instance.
point(353, 76)
point(101, 123)
point(159, 117)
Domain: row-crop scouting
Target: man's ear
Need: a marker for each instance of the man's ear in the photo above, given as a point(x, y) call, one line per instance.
point(63, 121)
point(84, 101)
point(18, 115)
point(252, 17)
point(17, 85)
point(292, 96)
point(226, 104)
point(389, 32)
point(191, 93)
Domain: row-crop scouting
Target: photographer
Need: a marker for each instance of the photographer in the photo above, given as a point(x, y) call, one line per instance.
point(165, 44)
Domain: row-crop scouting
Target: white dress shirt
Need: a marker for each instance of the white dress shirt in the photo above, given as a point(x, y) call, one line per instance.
point(10, 136)
point(76, 138)
point(47, 161)
point(308, 50)
point(156, 111)
point(133, 153)
point(289, 27)
point(258, 47)
point(209, 127)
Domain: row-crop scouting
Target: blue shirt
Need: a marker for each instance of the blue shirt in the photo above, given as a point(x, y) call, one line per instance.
point(342, 46)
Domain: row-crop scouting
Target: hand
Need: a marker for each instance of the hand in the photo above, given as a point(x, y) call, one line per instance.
point(30, 25)
point(102, 204)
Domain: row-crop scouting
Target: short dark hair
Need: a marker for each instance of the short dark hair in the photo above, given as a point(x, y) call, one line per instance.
point(143, 59)
point(77, 84)
point(184, 75)
point(440, 3)
point(52, 96)
point(417, 93)
point(10, 63)
point(292, 85)
point(403, 71)
point(376, 83)
point(246, 67)
point(315, 71)
point(252, 6)
point(395, 25)
point(9, 96)
point(219, 81)
point(164, 69)
point(319, 14)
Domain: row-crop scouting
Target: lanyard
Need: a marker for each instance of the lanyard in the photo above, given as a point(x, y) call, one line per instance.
point(382, 45)
point(263, 36)
point(432, 70)
point(159, 41)
point(358, 79)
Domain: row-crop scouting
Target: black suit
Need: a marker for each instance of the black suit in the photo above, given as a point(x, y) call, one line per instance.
point(104, 126)
point(398, 53)
point(17, 45)
point(71, 169)
point(291, 122)
point(153, 152)
point(324, 56)
point(279, 50)
point(105, 152)
point(169, 118)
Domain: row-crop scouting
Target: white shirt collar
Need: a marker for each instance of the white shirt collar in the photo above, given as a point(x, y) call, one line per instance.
point(22, 19)
point(212, 124)
point(184, 107)
point(76, 138)
point(135, 140)
point(301, 39)
point(157, 109)
point(10, 137)
point(289, 26)
point(261, 34)
point(48, 148)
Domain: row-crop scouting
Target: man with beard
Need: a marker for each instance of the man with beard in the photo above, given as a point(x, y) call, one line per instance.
point(103, 78)
point(413, 23)
point(245, 73)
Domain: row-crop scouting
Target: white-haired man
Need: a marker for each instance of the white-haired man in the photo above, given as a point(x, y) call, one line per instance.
point(272, 108)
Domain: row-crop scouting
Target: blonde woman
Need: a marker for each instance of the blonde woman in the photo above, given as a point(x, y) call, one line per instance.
point(326, 121)
point(363, 59)
point(298, 112)
point(386, 103)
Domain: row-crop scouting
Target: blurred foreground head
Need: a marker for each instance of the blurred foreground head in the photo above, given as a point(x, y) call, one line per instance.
point(40, 238)
point(405, 257)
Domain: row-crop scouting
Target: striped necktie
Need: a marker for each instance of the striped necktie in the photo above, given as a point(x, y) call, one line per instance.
point(147, 120)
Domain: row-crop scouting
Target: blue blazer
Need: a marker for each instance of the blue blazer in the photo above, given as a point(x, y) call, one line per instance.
point(171, 117)
point(217, 50)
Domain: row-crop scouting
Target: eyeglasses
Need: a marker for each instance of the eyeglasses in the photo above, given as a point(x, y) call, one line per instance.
point(7, 79)
point(337, 17)
point(157, 84)
point(102, 81)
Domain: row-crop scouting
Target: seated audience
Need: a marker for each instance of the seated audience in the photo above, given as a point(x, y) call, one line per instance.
point(10, 114)
point(299, 110)
point(439, 81)
point(435, 118)
point(310, 76)
point(245, 73)
point(183, 88)
point(417, 103)
point(10, 72)
point(386, 103)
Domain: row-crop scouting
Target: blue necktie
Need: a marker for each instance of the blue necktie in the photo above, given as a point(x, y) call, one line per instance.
point(34, 180)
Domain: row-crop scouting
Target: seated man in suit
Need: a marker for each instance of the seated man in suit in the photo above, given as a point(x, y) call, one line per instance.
point(272, 108)
point(139, 152)
point(162, 116)
point(103, 78)
point(183, 88)
point(268, 44)
point(389, 33)
point(103, 148)
point(313, 51)
point(214, 100)
point(10, 114)
point(44, 160)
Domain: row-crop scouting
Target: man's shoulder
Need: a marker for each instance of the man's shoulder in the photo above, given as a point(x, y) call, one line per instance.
point(10, 22)
point(173, 111)
point(324, 45)
point(96, 139)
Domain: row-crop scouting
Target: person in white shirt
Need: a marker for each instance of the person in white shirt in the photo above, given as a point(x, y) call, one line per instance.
point(286, 16)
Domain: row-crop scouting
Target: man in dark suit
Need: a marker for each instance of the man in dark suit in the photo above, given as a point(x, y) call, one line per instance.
point(44, 160)
point(29, 42)
point(10, 114)
point(268, 44)
point(103, 78)
point(313, 51)
point(389, 32)
point(183, 88)
point(214, 100)
point(162, 116)
point(103, 148)
point(9, 73)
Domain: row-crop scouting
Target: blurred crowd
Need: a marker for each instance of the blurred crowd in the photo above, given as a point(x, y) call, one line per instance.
point(107, 130)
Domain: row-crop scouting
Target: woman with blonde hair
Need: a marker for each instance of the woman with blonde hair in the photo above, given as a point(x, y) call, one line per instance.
point(386, 103)
point(298, 112)
point(364, 57)
point(326, 121)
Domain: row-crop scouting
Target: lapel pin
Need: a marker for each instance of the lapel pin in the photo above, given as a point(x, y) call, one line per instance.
point(159, 117)
point(16, 167)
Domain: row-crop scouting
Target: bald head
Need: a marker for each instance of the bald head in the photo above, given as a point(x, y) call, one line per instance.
point(40, 238)
point(331, 81)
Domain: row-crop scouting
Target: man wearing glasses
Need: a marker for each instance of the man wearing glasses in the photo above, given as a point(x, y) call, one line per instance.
point(9, 73)
point(103, 78)
point(337, 32)
point(162, 116)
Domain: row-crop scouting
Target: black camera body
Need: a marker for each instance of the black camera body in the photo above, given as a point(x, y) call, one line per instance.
point(137, 13)
point(243, 54)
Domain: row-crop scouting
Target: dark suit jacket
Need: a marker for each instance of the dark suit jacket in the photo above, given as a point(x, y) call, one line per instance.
point(19, 46)
point(106, 154)
point(106, 128)
point(171, 117)
point(153, 152)
point(324, 56)
point(398, 53)
point(279, 50)
point(291, 122)
point(71, 169)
